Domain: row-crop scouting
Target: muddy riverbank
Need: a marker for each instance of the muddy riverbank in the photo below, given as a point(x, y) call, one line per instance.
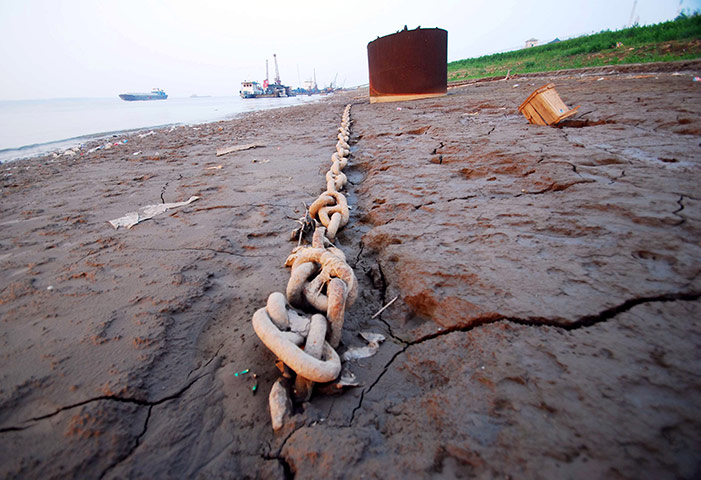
point(547, 320)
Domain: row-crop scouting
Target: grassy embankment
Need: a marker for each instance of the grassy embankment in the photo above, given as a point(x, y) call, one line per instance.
point(674, 40)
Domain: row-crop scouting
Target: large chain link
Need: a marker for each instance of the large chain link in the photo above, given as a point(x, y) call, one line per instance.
point(320, 280)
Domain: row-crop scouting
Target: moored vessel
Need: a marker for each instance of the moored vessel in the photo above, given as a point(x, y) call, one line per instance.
point(251, 89)
point(268, 90)
point(155, 94)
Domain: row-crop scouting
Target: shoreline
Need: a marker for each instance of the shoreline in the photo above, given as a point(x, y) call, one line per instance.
point(90, 140)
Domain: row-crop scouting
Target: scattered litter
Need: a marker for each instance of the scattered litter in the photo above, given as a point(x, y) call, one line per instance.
point(107, 145)
point(254, 388)
point(218, 167)
point(237, 148)
point(383, 308)
point(545, 107)
point(137, 153)
point(346, 380)
point(471, 114)
point(373, 339)
point(147, 134)
point(149, 211)
point(265, 160)
point(50, 287)
point(599, 79)
point(171, 129)
point(515, 85)
point(696, 79)
point(399, 108)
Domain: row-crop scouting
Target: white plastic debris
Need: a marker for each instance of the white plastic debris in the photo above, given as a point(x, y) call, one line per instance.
point(373, 339)
point(237, 148)
point(347, 379)
point(149, 211)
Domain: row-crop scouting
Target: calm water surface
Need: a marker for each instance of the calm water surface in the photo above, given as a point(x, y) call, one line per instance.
point(32, 127)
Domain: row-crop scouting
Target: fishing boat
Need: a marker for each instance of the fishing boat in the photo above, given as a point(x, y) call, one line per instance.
point(156, 94)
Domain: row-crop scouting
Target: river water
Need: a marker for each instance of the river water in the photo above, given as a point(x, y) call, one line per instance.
point(33, 127)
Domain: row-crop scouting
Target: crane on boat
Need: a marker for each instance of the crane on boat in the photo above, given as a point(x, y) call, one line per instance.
point(277, 72)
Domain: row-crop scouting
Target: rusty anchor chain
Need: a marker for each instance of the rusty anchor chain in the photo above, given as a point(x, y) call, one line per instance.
point(331, 210)
point(321, 365)
point(320, 281)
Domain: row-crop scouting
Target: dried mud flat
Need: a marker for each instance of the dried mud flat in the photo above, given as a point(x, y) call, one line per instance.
point(547, 325)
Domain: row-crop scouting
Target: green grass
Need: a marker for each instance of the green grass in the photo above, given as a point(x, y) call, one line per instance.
point(679, 39)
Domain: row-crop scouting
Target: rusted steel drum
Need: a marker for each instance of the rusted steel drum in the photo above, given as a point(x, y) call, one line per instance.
point(409, 64)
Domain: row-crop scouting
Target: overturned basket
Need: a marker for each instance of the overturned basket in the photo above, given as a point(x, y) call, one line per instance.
point(545, 107)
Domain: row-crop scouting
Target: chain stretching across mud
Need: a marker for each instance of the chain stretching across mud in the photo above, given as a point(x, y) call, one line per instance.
point(320, 281)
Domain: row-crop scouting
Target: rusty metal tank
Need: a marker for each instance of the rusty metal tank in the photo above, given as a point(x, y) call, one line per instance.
point(409, 64)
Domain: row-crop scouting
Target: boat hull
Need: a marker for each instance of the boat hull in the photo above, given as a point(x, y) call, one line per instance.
point(272, 92)
point(408, 65)
point(134, 97)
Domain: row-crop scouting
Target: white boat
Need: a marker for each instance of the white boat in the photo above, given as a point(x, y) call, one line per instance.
point(251, 90)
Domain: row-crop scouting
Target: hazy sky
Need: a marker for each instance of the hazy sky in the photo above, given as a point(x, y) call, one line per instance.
point(100, 48)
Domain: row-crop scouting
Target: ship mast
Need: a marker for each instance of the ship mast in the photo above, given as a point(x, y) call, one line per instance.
point(266, 71)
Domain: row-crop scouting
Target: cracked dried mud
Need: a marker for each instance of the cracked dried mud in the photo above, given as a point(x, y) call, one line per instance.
point(548, 323)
